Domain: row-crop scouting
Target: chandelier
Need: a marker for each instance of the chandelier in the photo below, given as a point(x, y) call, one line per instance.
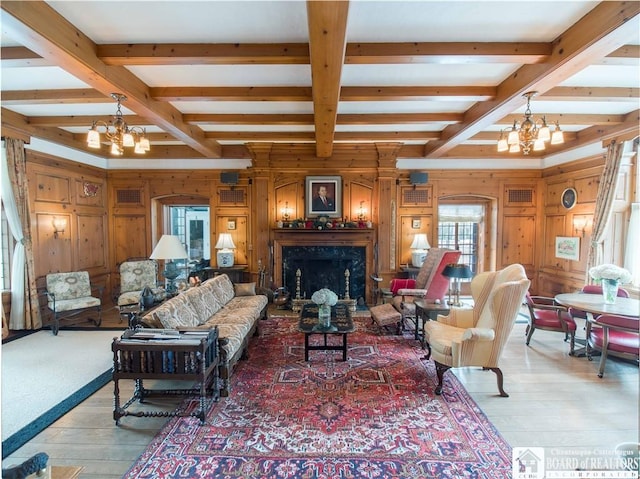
point(529, 133)
point(119, 133)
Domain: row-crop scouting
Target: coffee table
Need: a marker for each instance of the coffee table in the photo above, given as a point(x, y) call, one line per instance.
point(341, 323)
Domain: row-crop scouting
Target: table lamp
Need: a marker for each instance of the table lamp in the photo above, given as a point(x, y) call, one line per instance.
point(169, 248)
point(420, 248)
point(457, 272)
point(225, 247)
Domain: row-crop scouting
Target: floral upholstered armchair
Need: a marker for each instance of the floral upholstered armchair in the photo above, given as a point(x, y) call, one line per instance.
point(476, 337)
point(69, 294)
point(134, 277)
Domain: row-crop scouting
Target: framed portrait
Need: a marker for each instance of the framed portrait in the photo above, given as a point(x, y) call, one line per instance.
point(415, 224)
point(568, 248)
point(323, 196)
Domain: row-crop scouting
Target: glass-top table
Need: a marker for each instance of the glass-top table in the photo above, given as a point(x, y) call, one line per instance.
point(341, 323)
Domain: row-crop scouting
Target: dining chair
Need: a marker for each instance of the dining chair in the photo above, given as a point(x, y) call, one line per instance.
point(613, 335)
point(546, 314)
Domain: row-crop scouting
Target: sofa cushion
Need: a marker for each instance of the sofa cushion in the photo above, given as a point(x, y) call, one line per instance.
point(245, 289)
point(176, 313)
point(222, 288)
point(201, 304)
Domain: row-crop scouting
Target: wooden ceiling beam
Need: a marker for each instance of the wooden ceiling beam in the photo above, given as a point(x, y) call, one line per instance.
point(447, 52)
point(81, 120)
point(42, 30)
point(307, 119)
point(231, 93)
point(566, 118)
point(575, 93)
point(298, 54)
point(54, 97)
point(205, 54)
point(49, 133)
point(604, 29)
point(327, 22)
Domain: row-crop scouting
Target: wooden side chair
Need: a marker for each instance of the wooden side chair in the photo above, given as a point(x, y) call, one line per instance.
point(70, 294)
point(613, 335)
point(545, 314)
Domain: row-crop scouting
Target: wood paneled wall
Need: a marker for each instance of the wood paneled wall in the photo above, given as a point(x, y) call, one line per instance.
point(125, 217)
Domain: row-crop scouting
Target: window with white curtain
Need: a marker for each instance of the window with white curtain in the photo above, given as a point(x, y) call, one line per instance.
point(459, 228)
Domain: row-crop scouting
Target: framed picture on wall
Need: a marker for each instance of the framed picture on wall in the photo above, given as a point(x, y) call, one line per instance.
point(568, 248)
point(231, 224)
point(416, 224)
point(323, 196)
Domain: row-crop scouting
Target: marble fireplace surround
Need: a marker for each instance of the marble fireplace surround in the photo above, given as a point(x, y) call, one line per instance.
point(322, 257)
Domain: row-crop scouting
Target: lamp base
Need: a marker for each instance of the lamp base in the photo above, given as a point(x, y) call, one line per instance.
point(417, 257)
point(225, 258)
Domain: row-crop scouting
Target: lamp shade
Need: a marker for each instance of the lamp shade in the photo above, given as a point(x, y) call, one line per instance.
point(225, 254)
point(169, 247)
point(454, 270)
point(225, 241)
point(420, 241)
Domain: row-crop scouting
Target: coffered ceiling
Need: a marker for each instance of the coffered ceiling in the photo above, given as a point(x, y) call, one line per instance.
point(209, 78)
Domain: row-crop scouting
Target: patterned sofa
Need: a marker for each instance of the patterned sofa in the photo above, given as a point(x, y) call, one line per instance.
point(235, 309)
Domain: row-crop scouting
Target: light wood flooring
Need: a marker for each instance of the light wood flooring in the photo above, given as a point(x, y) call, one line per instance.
point(556, 401)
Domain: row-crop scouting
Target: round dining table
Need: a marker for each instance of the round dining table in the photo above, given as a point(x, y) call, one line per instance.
point(594, 304)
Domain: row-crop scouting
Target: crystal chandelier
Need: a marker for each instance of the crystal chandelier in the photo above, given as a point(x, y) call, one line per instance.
point(119, 133)
point(529, 134)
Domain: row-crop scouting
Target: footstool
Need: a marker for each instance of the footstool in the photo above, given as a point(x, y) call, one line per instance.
point(386, 315)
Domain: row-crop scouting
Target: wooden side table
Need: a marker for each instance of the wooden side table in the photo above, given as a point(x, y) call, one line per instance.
point(162, 354)
point(427, 311)
point(235, 273)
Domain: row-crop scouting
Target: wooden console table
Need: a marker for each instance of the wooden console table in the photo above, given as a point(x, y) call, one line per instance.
point(166, 355)
point(235, 273)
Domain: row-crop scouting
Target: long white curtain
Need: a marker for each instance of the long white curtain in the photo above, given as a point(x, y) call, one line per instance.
point(604, 202)
point(16, 320)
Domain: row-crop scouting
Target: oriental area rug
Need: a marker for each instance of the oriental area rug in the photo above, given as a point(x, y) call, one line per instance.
point(373, 416)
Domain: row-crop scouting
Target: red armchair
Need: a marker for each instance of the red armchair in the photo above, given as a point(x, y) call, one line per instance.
point(545, 314)
point(613, 335)
point(430, 284)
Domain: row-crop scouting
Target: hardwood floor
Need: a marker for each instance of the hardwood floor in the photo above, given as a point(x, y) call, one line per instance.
point(556, 401)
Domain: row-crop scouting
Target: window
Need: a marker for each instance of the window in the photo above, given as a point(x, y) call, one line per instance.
point(8, 244)
point(459, 228)
point(191, 225)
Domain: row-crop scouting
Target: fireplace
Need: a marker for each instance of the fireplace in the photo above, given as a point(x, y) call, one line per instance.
point(316, 267)
point(322, 257)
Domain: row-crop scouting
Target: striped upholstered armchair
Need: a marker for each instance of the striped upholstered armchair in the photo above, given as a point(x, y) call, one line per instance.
point(476, 337)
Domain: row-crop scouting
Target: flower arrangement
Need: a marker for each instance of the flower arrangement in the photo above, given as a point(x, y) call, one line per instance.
point(611, 272)
point(324, 296)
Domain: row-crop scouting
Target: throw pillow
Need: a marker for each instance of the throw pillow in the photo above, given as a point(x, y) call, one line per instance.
point(245, 289)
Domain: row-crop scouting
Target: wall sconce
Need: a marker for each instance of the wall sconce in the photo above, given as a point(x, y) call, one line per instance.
point(59, 225)
point(362, 212)
point(581, 227)
point(286, 212)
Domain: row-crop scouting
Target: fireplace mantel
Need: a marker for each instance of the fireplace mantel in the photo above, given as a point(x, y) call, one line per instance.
point(357, 237)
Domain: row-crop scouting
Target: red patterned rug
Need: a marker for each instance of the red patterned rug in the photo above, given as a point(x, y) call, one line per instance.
point(374, 416)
